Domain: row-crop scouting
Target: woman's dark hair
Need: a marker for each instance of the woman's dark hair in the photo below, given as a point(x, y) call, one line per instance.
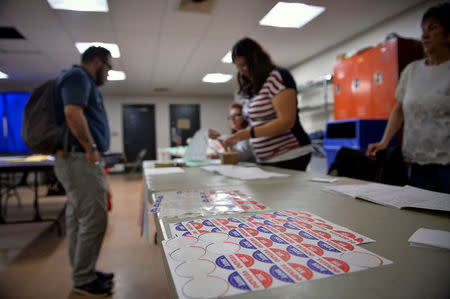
point(93, 52)
point(441, 13)
point(237, 105)
point(258, 62)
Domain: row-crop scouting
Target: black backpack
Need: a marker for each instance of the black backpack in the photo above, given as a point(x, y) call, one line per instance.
point(40, 131)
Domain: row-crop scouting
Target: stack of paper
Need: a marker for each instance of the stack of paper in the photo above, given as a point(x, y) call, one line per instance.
point(243, 173)
point(424, 237)
point(164, 170)
point(395, 196)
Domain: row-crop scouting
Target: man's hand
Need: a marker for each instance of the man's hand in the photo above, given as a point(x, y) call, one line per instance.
point(93, 157)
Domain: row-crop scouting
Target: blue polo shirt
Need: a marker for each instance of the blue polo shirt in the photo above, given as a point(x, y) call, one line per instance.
point(77, 87)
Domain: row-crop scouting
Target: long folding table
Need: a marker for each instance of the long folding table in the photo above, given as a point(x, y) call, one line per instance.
point(416, 272)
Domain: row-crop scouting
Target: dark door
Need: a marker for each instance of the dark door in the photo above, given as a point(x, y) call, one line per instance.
point(139, 131)
point(184, 122)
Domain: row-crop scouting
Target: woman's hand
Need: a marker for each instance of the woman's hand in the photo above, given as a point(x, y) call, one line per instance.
point(394, 123)
point(374, 148)
point(236, 137)
point(213, 134)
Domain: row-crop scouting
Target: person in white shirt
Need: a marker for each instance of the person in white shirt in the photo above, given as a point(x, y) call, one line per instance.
point(423, 106)
point(237, 123)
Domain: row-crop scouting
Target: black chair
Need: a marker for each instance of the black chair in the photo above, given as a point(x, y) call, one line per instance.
point(136, 165)
point(388, 168)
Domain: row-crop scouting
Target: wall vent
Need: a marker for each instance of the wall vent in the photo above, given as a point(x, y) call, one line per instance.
point(197, 6)
point(161, 89)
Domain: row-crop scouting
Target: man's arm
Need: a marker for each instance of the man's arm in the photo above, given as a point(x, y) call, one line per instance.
point(79, 127)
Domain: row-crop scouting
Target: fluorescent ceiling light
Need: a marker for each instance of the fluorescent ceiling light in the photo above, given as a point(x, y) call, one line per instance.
point(217, 78)
point(227, 58)
point(113, 48)
point(290, 15)
point(3, 75)
point(116, 75)
point(80, 5)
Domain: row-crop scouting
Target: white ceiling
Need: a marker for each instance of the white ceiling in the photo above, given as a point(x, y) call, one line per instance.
point(163, 47)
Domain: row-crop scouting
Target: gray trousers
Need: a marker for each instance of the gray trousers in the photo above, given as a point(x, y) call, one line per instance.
point(86, 212)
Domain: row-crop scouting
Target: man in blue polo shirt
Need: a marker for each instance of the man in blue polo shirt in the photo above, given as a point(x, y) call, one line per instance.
point(80, 104)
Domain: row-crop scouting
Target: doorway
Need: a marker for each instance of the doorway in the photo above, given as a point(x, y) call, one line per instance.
point(139, 131)
point(184, 122)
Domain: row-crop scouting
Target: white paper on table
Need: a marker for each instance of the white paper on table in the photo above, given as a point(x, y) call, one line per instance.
point(216, 264)
point(148, 164)
point(243, 173)
point(395, 196)
point(424, 199)
point(425, 237)
point(324, 180)
point(350, 190)
point(405, 197)
point(163, 170)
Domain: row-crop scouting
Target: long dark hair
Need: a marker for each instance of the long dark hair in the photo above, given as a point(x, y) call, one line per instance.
point(258, 62)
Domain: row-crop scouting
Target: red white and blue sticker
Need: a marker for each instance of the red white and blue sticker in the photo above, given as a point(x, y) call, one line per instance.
point(303, 224)
point(191, 203)
point(233, 255)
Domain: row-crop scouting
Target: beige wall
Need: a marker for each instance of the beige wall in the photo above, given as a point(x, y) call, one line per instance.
point(213, 113)
point(406, 25)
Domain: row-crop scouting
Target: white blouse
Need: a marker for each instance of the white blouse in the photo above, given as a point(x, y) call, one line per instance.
point(424, 92)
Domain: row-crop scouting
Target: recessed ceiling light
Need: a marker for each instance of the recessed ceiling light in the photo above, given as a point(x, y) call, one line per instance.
point(113, 48)
point(3, 75)
point(291, 15)
point(116, 75)
point(217, 78)
point(80, 5)
point(227, 58)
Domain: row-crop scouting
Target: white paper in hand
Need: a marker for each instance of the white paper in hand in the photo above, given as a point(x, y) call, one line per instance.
point(197, 148)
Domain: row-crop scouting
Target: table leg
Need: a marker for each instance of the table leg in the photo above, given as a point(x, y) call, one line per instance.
point(37, 215)
point(2, 220)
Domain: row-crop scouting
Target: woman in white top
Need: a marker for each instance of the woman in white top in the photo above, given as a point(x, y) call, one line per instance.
point(237, 123)
point(423, 105)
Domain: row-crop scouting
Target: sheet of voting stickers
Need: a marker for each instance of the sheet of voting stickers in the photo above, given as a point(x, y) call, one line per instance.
point(297, 223)
point(190, 203)
point(216, 264)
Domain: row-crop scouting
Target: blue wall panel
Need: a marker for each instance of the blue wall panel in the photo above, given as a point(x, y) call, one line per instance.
point(3, 145)
point(14, 104)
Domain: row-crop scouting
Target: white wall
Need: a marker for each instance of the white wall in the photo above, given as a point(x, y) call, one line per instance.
point(406, 25)
point(213, 114)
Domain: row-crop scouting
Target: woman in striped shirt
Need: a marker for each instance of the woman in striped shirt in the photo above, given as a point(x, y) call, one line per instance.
point(276, 135)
